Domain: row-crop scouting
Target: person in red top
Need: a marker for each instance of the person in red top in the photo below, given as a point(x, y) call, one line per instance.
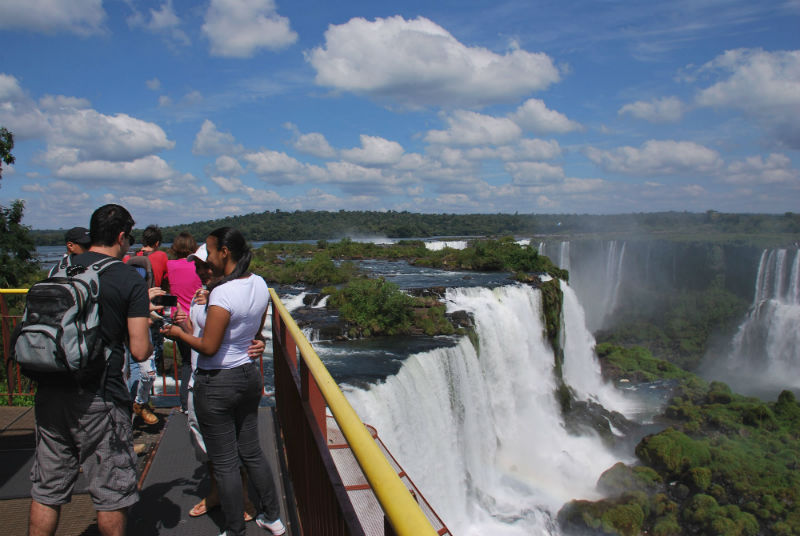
point(151, 240)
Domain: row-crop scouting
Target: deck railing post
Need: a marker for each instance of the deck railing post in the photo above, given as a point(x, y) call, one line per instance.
point(313, 397)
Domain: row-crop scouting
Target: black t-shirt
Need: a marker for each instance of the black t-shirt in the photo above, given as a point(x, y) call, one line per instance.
point(123, 295)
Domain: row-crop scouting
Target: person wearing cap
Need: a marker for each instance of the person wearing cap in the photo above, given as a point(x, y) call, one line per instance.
point(77, 240)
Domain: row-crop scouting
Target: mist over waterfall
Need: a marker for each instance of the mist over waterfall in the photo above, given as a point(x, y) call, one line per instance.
point(765, 352)
point(596, 277)
point(481, 432)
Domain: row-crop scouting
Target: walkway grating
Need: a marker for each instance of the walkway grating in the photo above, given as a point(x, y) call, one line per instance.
point(174, 482)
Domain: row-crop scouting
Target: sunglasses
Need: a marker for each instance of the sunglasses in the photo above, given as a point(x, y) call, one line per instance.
point(131, 238)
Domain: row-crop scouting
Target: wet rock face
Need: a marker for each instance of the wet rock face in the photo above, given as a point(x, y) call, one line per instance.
point(461, 319)
point(429, 292)
point(582, 415)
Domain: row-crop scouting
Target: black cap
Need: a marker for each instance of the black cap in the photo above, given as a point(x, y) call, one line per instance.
point(78, 235)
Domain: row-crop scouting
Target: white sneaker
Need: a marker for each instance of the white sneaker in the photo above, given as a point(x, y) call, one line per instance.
point(275, 527)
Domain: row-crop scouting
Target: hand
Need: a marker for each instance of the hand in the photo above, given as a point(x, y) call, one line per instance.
point(255, 350)
point(169, 330)
point(152, 293)
point(180, 316)
point(201, 296)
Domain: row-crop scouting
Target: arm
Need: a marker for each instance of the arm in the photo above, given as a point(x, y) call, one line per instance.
point(217, 322)
point(139, 338)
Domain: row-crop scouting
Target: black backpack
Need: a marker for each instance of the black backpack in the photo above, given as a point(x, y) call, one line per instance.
point(60, 328)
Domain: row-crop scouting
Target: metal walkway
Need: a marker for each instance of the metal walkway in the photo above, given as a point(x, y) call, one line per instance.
point(174, 482)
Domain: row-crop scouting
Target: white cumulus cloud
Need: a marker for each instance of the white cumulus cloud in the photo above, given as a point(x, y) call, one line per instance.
point(280, 168)
point(238, 28)
point(775, 169)
point(534, 173)
point(534, 116)
point(313, 143)
point(764, 85)
point(228, 165)
point(210, 141)
point(419, 63)
point(374, 151)
point(472, 128)
point(150, 169)
point(657, 157)
point(663, 110)
point(50, 16)
point(10, 89)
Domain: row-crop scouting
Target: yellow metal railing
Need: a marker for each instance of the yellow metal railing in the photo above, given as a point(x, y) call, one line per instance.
point(402, 511)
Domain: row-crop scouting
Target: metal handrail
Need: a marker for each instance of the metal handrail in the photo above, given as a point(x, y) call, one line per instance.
point(403, 513)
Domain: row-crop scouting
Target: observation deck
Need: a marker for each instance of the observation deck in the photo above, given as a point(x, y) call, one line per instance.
point(333, 473)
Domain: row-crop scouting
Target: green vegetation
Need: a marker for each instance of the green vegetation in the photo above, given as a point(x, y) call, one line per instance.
point(17, 400)
point(18, 266)
point(636, 364)
point(490, 255)
point(319, 270)
point(763, 229)
point(677, 326)
point(6, 144)
point(377, 307)
point(728, 464)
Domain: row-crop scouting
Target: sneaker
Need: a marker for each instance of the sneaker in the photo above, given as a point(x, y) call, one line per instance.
point(145, 413)
point(275, 527)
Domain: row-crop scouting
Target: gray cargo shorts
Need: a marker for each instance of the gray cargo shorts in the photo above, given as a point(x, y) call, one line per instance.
point(81, 429)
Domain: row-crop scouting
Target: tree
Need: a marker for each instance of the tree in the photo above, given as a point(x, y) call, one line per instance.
point(17, 251)
point(6, 144)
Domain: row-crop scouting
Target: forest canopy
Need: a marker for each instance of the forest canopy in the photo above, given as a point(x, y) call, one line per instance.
point(318, 225)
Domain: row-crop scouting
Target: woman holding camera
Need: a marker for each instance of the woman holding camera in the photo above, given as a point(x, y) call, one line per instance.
point(228, 385)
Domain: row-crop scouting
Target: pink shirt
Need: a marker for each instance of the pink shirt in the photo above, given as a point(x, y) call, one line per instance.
point(183, 281)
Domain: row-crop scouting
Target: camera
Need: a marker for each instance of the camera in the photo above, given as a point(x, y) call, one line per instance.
point(167, 300)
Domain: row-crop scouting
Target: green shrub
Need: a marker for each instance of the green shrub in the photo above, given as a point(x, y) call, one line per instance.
point(374, 306)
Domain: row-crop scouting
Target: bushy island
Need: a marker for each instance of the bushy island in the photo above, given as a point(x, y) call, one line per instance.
point(374, 306)
point(725, 465)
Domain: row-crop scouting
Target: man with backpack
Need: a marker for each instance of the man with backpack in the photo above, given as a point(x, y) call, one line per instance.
point(84, 421)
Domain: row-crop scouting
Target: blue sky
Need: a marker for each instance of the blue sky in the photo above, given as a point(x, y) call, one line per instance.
point(185, 111)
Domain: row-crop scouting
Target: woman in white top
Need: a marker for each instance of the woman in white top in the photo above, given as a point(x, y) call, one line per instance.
point(228, 385)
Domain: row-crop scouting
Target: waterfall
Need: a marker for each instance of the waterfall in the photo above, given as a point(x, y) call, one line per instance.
point(563, 255)
point(581, 368)
point(480, 432)
point(765, 354)
point(597, 276)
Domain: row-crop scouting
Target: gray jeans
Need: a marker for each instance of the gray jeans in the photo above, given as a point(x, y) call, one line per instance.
point(226, 402)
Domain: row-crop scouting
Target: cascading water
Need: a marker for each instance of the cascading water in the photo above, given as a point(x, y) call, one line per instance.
point(581, 368)
point(563, 255)
point(480, 431)
point(597, 279)
point(765, 353)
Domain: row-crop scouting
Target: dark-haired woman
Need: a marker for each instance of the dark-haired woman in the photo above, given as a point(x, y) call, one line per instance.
point(228, 385)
